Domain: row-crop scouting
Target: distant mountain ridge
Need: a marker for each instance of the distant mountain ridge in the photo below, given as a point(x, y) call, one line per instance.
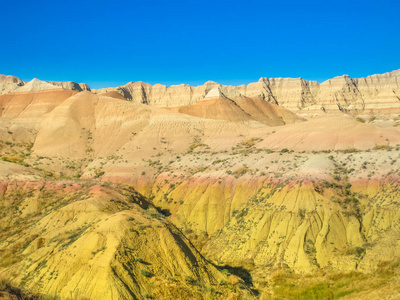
point(375, 93)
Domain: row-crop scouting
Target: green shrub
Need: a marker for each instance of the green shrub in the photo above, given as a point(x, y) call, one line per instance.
point(145, 273)
point(284, 150)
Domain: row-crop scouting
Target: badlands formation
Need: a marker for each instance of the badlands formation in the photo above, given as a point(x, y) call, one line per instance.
point(280, 189)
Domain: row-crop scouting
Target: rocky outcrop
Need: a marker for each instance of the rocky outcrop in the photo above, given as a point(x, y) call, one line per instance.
point(36, 85)
point(292, 93)
point(9, 83)
point(84, 87)
point(160, 95)
point(70, 85)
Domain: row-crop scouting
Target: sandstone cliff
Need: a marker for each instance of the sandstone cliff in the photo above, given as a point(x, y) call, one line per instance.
point(70, 85)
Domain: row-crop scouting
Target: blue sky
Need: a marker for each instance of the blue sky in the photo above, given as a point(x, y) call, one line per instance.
point(108, 43)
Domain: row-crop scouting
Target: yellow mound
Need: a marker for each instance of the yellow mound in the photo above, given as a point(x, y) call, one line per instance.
point(98, 242)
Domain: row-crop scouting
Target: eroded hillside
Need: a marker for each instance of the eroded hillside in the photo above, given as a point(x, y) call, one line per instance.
point(227, 195)
point(70, 239)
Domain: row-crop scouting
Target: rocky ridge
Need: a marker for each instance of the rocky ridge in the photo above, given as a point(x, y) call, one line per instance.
point(9, 83)
point(13, 84)
point(372, 94)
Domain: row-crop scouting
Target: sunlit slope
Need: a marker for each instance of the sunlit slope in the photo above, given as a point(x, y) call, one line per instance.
point(91, 125)
point(32, 105)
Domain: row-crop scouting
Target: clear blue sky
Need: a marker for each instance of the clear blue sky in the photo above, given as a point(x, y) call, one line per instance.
point(108, 43)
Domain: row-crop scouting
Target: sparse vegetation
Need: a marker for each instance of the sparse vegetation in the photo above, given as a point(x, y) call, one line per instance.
point(196, 143)
point(145, 273)
point(241, 171)
point(359, 119)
